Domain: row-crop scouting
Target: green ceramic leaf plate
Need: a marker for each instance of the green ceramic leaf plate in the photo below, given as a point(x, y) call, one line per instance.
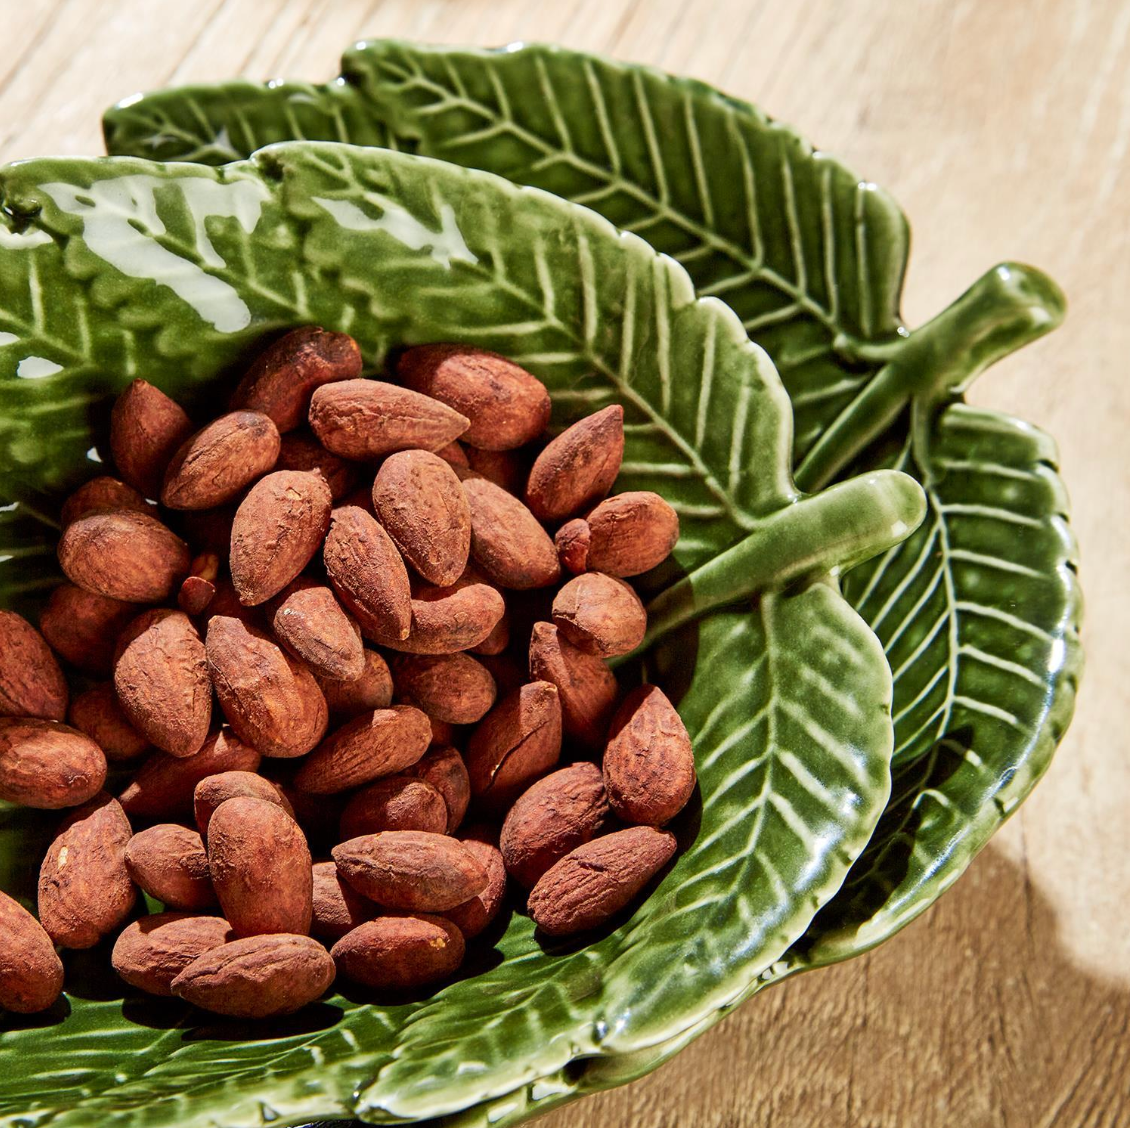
point(111, 268)
point(980, 611)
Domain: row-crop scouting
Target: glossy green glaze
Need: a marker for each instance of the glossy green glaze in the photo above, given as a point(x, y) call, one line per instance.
point(812, 260)
point(118, 267)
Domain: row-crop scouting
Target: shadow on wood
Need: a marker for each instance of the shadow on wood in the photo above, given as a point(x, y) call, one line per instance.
point(937, 1028)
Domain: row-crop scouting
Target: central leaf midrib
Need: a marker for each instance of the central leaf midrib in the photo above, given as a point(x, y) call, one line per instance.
point(954, 658)
point(909, 464)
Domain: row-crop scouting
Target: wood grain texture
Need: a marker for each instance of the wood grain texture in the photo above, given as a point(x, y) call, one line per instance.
point(1004, 130)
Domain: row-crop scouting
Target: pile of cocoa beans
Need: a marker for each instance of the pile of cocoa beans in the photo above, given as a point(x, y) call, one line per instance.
point(299, 627)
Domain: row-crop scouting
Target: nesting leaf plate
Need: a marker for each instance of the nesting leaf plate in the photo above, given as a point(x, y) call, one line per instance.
point(112, 268)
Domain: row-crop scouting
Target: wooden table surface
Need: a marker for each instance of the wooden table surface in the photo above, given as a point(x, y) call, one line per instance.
point(1003, 128)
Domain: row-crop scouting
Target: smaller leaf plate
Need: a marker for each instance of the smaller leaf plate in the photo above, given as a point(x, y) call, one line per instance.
point(113, 268)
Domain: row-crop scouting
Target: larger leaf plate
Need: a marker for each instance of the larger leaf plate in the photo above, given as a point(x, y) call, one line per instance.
point(980, 611)
point(113, 268)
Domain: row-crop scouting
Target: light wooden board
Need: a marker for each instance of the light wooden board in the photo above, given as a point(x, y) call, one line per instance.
point(1003, 127)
